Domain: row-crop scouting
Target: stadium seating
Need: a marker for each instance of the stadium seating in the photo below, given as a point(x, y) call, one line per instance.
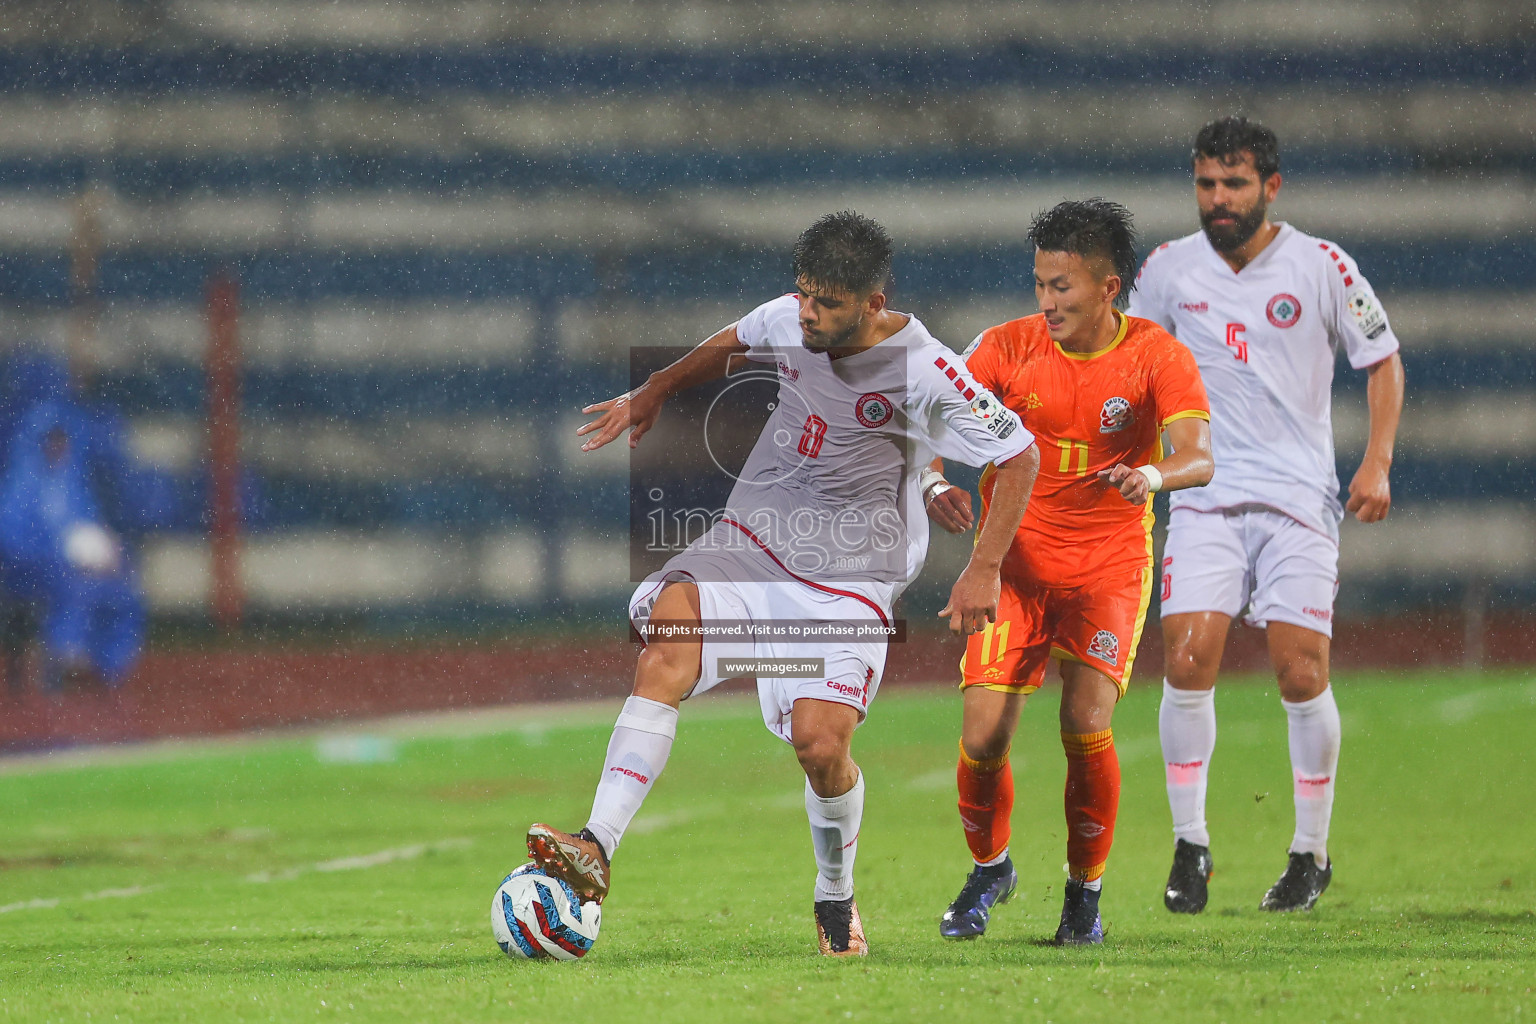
point(450, 228)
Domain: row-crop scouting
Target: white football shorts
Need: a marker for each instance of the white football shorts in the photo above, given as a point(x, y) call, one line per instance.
point(1250, 559)
point(749, 588)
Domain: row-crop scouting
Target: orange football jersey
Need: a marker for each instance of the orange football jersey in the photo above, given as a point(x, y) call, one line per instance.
point(1087, 412)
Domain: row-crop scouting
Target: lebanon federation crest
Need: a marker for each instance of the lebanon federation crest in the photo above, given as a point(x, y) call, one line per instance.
point(874, 409)
point(1283, 310)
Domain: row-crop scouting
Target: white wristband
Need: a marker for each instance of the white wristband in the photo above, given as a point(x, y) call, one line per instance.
point(1154, 477)
point(931, 479)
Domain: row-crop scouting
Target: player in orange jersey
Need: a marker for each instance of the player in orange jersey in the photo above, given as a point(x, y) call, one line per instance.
point(1099, 389)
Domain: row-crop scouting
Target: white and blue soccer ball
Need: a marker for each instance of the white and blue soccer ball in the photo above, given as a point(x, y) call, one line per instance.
point(534, 916)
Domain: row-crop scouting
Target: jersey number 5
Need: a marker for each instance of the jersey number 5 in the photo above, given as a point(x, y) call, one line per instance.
point(1237, 342)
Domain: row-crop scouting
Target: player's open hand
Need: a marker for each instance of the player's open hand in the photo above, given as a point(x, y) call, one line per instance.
point(973, 601)
point(635, 411)
point(950, 507)
point(1133, 486)
point(1370, 492)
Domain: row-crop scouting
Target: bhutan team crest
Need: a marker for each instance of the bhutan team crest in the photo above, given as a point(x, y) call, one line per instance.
point(874, 410)
point(1115, 416)
point(1105, 646)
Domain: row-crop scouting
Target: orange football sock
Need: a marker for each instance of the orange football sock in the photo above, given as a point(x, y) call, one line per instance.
point(1092, 798)
point(986, 804)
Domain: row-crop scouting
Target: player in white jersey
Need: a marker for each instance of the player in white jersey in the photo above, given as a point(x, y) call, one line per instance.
point(825, 525)
point(1264, 308)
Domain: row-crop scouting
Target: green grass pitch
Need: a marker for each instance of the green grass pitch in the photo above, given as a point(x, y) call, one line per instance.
point(259, 880)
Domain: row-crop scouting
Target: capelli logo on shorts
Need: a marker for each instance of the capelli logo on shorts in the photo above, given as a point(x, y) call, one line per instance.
point(861, 694)
point(1321, 614)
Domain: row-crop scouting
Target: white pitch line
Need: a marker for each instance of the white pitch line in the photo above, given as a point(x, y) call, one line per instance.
point(104, 894)
point(648, 823)
point(933, 780)
point(1487, 700)
point(360, 862)
point(47, 904)
point(118, 894)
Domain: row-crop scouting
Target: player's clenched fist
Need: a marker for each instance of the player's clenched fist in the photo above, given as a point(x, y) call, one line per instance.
point(1370, 493)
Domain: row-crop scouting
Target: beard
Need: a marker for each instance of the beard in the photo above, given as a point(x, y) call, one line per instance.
point(1231, 237)
point(826, 342)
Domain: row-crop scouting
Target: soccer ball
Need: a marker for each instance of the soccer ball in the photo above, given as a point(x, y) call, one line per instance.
point(534, 916)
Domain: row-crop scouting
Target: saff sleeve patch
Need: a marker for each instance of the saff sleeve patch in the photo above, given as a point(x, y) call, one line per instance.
point(1367, 312)
point(994, 415)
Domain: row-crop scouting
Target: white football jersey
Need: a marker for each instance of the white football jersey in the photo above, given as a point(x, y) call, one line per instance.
point(1266, 340)
point(830, 489)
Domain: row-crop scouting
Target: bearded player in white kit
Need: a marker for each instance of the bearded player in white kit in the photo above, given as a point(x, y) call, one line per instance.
point(1264, 308)
point(824, 524)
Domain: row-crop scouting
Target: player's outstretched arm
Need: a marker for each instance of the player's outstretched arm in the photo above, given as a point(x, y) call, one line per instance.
point(1370, 492)
point(1189, 465)
point(947, 505)
point(637, 410)
point(973, 599)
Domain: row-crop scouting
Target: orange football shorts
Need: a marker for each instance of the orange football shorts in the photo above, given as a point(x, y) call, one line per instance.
point(1098, 624)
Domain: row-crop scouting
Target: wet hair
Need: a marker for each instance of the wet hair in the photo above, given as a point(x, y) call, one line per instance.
point(1091, 228)
point(845, 251)
point(1227, 138)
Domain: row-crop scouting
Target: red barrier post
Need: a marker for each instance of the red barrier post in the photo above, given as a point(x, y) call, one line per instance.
point(228, 597)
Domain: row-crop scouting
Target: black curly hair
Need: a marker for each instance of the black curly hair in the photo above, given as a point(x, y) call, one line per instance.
point(1091, 228)
point(846, 251)
point(1228, 138)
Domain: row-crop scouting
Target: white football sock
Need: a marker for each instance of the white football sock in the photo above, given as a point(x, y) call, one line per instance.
point(1314, 734)
point(637, 752)
point(1186, 723)
point(835, 838)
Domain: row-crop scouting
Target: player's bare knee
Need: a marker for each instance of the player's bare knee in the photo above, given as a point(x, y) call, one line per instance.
point(821, 755)
point(985, 741)
point(1188, 668)
point(668, 669)
point(665, 675)
point(1302, 677)
point(1083, 717)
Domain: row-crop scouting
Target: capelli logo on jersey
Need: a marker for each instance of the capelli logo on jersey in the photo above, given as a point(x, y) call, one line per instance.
point(1195, 307)
point(1115, 416)
point(788, 372)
